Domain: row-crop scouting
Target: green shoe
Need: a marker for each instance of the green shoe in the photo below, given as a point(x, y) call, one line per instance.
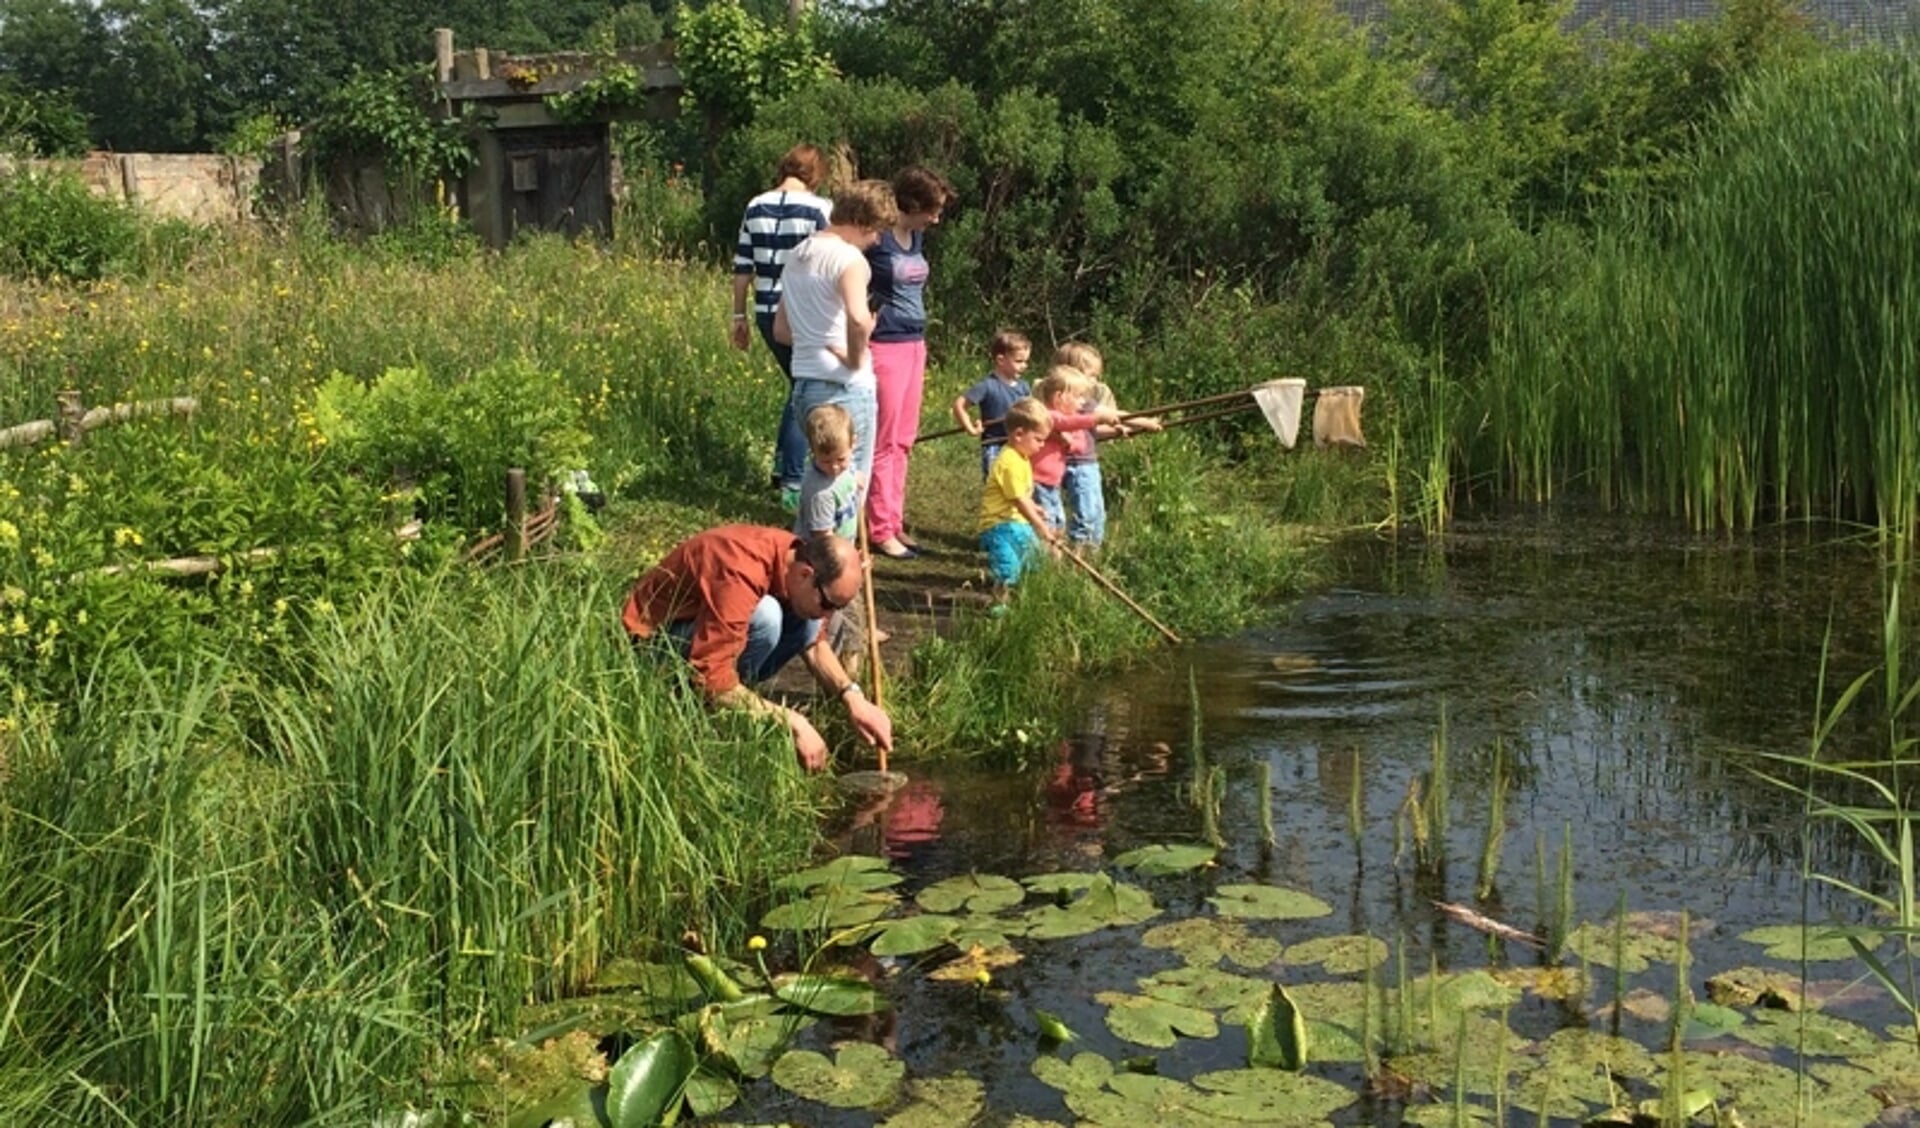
point(790, 498)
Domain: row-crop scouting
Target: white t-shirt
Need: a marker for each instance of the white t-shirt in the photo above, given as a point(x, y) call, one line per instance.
point(811, 288)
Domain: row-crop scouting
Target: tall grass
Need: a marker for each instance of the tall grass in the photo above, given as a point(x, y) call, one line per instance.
point(229, 902)
point(1747, 350)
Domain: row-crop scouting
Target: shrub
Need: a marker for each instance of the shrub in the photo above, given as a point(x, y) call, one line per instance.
point(52, 227)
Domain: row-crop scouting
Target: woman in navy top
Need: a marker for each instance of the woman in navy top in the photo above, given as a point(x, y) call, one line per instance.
point(897, 294)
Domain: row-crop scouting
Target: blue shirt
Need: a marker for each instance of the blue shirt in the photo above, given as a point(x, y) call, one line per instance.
point(898, 292)
point(993, 396)
point(774, 224)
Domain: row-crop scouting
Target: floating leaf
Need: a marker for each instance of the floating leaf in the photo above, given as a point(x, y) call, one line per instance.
point(1756, 986)
point(647, 1080)
point(1774, 1094)
point(1153, 1022)
point(860, 1075)
point(1277, 1034)
point(1792, 942)
point(913, 935)
point(669, 983)
point(746, 1036)
point(1208, 988)
point(854, 871)
point(599, 1015)
point(1052, 1027)
point(1205, 941)
point(1104, 904)
point(709, 1091)
point(1087, 1072)
point(830, 910)
point(1559, 984)
point(1265, 1096)
point(840, 995)
point(1808, 1032)
point(1163, 860)
point(986, 932)
point(1575, 1073)
point(1466, 990)
point(1342, 955)
point(1447, 1115)
point(1467, 1052)
point(1712, 1019)
point(976, 959)
point(1594, 943)
point(574, 1102)
point(973, 892)
point(1059, 882)
point(1267, 902)
point(940, 1102)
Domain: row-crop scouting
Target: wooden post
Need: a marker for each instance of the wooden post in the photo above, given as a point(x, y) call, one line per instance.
point(482, 63)
point(68, 418)
point(443, 53)
point(517, 514)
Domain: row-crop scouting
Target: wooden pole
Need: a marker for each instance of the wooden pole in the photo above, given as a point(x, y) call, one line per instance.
point(443, 53)
point(878, 679)
point(517, 514)
point(1121, 595)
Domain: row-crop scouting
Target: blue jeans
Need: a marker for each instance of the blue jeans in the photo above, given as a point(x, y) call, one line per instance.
point(790, 445)
point(860, 403)
point(1010, 548)
point(774, 635)
point(1048, 499)
point(987, 454)
point(1088, 501)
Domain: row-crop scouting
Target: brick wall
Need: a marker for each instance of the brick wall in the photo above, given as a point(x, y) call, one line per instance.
point(204, 188)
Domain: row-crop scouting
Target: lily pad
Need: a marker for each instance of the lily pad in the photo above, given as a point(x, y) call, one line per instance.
point(912, 935)
point(647, 1080)
point(1154, 1022)
point(744, 1037)
point(1163, 860)
point(833, 909)
point(1594, 943)
point(973, 893)
point(574, 1102)
point(1104, 904)
point(669, 983)
point(838, 995)
point(853, 871)
point(1267, 902)
point(1814, 942)
point(1072, 881)
point(987, 932)
point(972, 962)
point(1558, 984)
point(709, 1091)
point(1342, 955)
point(1808, 1032)
point(1265, 1096)
point(1206, 988)
point(1756, 987)
point(1774, 1094)
point(599, 1015)
point(1473, 1052)
point(1086, 1072)
point(1575, 1073)
point(860, 1075)
point(1446, 1115)
point(1204, 941)
point(940, 1102)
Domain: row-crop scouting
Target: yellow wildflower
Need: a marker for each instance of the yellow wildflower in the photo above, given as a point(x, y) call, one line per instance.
point(9, 535)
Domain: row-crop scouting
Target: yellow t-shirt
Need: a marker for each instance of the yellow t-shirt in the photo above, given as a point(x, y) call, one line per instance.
point(1010, 478)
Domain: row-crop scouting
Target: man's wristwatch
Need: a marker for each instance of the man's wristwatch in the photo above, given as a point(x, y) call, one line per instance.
point(850, 687)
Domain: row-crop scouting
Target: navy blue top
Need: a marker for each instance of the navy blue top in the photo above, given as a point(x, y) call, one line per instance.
point(994, 396)
point(898, 292)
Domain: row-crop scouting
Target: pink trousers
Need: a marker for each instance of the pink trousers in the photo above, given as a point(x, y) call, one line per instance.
point(900, 371)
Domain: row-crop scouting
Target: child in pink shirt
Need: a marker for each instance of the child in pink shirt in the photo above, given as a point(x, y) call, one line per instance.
point(1063, 390)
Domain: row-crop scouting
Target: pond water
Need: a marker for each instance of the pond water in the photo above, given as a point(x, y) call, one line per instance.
point(1619, 677)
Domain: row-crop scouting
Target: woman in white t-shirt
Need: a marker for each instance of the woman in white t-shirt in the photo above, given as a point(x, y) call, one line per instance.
point(823, 314)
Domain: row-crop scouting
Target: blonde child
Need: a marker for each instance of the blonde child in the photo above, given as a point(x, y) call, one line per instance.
point(1081, 484)
point(1065, 391)
point(999, 390)
point(830, 503)
point(1010, 523)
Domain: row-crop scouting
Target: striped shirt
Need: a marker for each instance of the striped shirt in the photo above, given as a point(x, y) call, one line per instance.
point(774, 224)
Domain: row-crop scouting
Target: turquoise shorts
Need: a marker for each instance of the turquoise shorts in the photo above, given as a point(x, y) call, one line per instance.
point(1011, 550)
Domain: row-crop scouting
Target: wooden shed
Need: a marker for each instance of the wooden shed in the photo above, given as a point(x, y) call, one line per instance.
point(534, 169)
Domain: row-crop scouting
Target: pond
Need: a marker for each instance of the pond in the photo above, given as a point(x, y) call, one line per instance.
point(1612, 683)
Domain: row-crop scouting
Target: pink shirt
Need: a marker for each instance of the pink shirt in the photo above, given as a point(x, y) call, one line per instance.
point(1071, 435)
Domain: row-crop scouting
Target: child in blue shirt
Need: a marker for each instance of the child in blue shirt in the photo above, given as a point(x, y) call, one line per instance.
point(993, 395)
point(830, 503)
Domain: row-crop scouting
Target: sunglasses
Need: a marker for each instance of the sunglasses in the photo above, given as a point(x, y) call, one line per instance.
point(827, 600)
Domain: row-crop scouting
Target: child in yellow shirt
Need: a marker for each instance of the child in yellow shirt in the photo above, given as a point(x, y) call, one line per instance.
point(1010, 522)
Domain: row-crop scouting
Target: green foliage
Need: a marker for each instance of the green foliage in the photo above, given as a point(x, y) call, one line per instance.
point(41, 124)
point(453, 444)
point(52, 227)
point(733, 62)
point(385, 116)
point(254, 135)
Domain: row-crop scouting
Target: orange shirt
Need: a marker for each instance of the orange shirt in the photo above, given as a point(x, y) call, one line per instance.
point(715, 579)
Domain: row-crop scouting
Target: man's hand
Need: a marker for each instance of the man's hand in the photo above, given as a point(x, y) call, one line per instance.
point(739, 334)
point(870, 721)
point(807, 741)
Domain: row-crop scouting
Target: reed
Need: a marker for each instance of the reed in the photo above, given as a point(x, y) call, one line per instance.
point(1264, 781)
point(1496, 825)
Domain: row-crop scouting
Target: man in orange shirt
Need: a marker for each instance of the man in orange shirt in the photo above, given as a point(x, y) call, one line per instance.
point(739, 602)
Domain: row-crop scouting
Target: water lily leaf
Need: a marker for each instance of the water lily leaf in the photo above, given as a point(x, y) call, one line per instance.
point(940, 1102)
point(599, 1015)
point(1163, 860)
point(986, 932)
point(913, 935)
point(1052, 1027)
point(1277, 1034)
point(1774, 1094)
point(574, 1102)
point(1138, 1098)
point(976, 959)
point(1153, 1022)
point(1087, 1072)
point(1266, 1096)
point(646, 1082)
point(1594, 943)
point(1104, 904)
point(1267, 902)
point(1344, 1004)
point(853, 871)
point(671, 983)
point(1072, 882)
point(710, 1091)
point(1332, 1042)
point(1575, 1070)
point(1342, 955)
point(1814, 942)
point(1666, 924)
point(839, 995)
point(1207, 988)
point(744, 1037)
point(1691, 1103)
point(1559, 984)
point(973, 892)
point(1756, 986)
point(1466, 990)
point(860, 1075)
point(1446, 1115)
point(1712, 1019)
point(833, 909)
point(1808, 1032)
point(1204, 941)
point(1472, 1052)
